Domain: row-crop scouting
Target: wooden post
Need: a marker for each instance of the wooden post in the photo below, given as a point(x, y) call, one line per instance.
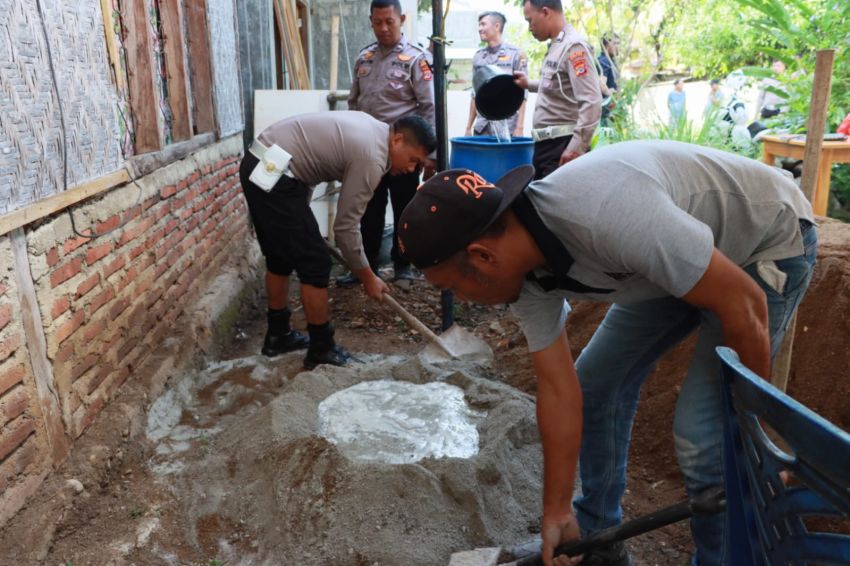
point(111, 46)
point(821, 86)
point(171, 12)
point(200, 65)
point(45, 385)
point(332, 85)
point(144, 99)
point(334, 53)
point(811, 163)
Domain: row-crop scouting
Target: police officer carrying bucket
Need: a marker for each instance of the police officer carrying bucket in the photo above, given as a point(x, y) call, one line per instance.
point(569, 102)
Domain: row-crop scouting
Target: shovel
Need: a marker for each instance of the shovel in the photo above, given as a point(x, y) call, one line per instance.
point(710, 502)
point(454, 343)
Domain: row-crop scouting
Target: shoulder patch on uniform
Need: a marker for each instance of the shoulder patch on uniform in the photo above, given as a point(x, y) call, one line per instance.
point(578, 60)
point(370, 47)
point(426, 69)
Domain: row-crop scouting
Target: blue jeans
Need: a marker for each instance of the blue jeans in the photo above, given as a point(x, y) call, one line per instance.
point(612, 368)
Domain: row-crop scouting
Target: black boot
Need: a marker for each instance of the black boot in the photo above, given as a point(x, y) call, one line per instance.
point(323, 349)
point(279, 337)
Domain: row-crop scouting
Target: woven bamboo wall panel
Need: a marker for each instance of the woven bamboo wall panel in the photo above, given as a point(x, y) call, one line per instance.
point(30, 139)
point(225, 60)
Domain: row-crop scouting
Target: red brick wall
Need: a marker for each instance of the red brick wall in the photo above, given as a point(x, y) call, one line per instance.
point(114, 298)
point(107, 303)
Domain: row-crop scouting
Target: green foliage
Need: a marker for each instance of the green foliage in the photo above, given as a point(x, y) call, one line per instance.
point(798, 30)
point(841, 189)
point(712, 133)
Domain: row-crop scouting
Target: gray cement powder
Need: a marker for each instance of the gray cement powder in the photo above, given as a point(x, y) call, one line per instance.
point(307, 503)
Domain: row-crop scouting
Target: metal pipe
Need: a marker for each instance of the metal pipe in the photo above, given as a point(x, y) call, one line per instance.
point(441, 123)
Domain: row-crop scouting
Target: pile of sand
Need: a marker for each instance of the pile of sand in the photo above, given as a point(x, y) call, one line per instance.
point(304, 502)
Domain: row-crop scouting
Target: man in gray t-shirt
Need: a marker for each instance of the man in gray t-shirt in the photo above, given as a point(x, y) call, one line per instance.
point(680, 238)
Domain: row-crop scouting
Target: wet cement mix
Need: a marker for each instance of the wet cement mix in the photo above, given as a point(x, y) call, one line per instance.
point(252, 461)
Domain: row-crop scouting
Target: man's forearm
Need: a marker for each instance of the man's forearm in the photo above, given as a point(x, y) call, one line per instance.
point(559, 418)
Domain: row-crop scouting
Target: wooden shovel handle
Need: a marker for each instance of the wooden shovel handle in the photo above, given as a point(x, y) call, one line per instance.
point(411, 320)
point(415, 323)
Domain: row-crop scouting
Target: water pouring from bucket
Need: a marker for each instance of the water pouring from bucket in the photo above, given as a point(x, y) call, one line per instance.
point(497, 97)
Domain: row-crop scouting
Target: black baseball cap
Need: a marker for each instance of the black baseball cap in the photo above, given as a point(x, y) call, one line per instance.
point(451, 209)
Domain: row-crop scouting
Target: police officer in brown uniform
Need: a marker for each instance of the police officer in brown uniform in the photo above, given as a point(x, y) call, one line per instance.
point(491, 26)
point(569, 102)
point(392, 79)
point(278, 173)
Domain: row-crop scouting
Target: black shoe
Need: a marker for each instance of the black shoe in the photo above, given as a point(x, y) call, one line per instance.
point(276, 344)
point(614, 554)
point(347, 280)
point(336, 356)
point(402, 273)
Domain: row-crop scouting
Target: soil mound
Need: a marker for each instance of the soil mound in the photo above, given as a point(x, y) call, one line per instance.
point(305, 502)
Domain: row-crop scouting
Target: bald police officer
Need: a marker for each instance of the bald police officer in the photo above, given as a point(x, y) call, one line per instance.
point(569, 101)
point(491, 26)
point(278, 172)
point(393, 78)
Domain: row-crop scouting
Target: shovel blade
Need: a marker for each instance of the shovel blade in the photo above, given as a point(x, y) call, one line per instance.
point(459, 344)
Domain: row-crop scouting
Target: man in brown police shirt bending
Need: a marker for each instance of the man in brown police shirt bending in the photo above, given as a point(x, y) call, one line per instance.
point(287, 159)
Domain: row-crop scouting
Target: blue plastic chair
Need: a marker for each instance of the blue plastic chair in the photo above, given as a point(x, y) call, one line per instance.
point(764, 517)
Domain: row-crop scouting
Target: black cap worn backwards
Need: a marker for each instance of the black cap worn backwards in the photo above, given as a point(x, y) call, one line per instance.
point(451, 209)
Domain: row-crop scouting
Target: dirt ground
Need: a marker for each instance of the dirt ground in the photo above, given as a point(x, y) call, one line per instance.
point(108, 504)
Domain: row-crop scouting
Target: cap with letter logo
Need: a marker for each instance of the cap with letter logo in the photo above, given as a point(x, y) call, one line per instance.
point(451, 209)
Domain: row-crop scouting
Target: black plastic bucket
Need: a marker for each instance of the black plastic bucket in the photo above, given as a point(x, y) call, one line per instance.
point(497, 96)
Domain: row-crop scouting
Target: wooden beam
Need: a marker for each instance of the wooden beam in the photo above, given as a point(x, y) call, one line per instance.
point(284, 37)
point(817, 121)
point(200, 65)
point(171, 13)
point(334, 78)
point(45, 385)
point(111, 45)
point(811, 163)
point(55, 203)
point(145, 164)
point(143, 96)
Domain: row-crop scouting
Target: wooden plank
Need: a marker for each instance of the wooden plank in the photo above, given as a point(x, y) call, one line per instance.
point(302, 15)
point(48, 398)
point(171, 13)
point(200, 65)
point(55, 203)
point(334, 76)
point(817, 121)
point(288, 53)
point(296, 64)
point(143, 96)
point(111, 45)
point(298, 41)
point(811, 164)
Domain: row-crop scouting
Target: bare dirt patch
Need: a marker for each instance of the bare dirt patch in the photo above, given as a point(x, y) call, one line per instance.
point(126, 514)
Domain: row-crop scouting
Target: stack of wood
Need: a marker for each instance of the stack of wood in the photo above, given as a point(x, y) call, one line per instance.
point(287, 20)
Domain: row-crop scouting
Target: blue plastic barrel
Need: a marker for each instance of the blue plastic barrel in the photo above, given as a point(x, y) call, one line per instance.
point(488, 157)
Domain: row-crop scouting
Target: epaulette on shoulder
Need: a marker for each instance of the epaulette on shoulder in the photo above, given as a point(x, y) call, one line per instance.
point(370, 47)
point(416, 46)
